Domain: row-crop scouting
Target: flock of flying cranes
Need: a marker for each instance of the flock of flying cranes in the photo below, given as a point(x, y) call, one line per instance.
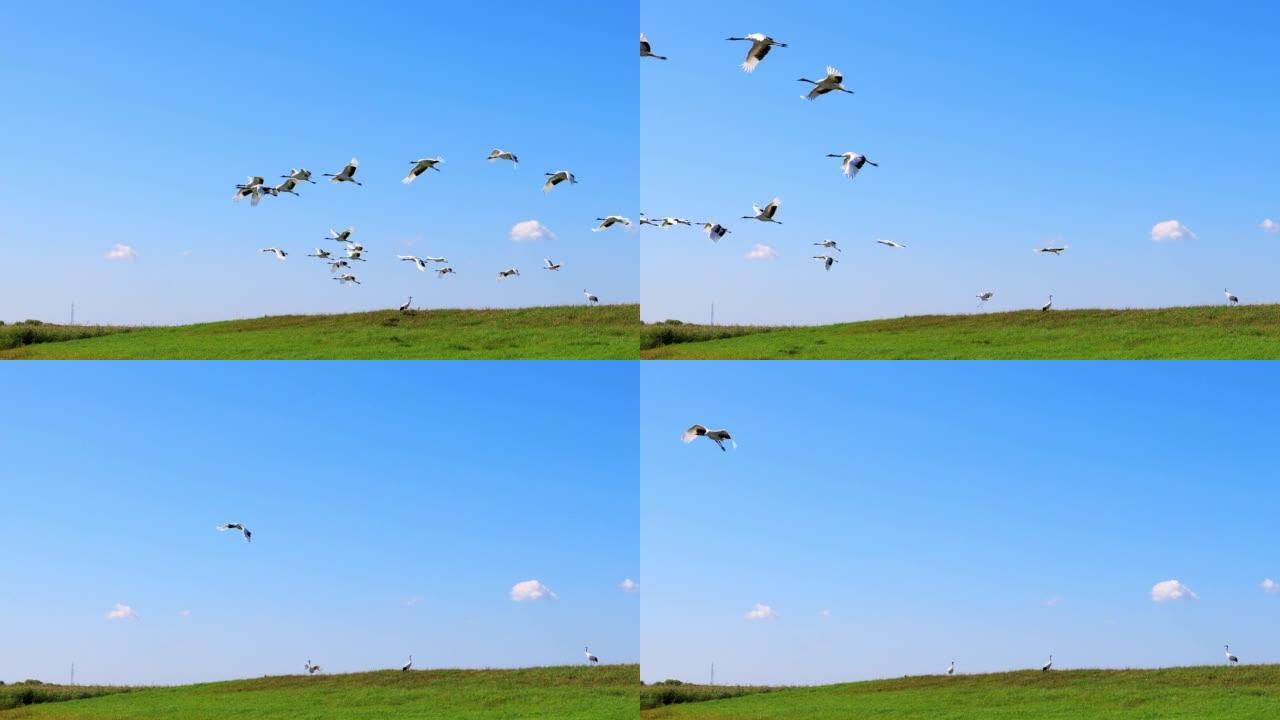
point(851, 163)
point(313, 669)
point(255, 189)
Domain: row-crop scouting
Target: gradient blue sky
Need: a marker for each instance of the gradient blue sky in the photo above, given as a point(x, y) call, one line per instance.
point(393, 509)
point(131, 123)
point(987, 513)
point(998, 127)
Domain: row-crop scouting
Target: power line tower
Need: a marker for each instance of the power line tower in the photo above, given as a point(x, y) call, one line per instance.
point(713, 673)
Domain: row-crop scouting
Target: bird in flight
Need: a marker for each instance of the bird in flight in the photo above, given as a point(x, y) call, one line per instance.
point(348, 173)
point(422, 264)
point(1053, 250)
point(716, 436)
point(280, 254)
point(557, 177)
point(548, 265)
point(851, 163)
point(498, 154)
point(509, 272)
point(420, 166)
point(826, 260)
point(646, 50)
point(830, 245)
point(766, 213)
point(237, 526)
point(830, 83)
point(892, 244)
point(610, 221)
point(715, 231)
point(760, 46)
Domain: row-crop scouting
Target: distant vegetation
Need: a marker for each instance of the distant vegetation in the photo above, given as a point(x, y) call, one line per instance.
point(34, 692)
point(575, 332)
point(1194, 693)
point(1208, 332)
point(608, 692)
point(675, 692)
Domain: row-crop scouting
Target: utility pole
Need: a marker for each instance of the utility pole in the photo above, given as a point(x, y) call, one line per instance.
point(713, 314)
point(73, 673)
point(713, 673)
point(73, 322)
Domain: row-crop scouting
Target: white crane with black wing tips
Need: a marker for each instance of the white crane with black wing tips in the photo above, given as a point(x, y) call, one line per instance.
point(348, 173)
point(830, 245)
point(285, 187)
point(280, 254)
point(610, 221)
point(440, 260)
point(251, 188)
point(354, 252)
point(420, 166)
point(984, 297)
point(422, 264)
point(1231, 659)
point(646, 220)
point(1046, 307)
point(548, 265)
point(338, 264)
point(444, 271)
point(407, 304)
point(892, 244)
point(591, 659)
point(406, 666)
point(716, 436)
point(509, 272)
point(1231, 299)
point(1053, 249)
point(499, 154)
point(310, 668)
point(646, 50)
point(760, 46)
point(300, 175)
point(591, 299)
point(766, 213)
point(347, 279)
point(322, 254)
point(851, 163)
point(952, 669)
point(341, 237)
point(557, 177)
point(1047, 666)
point(715, 231)
point(831, 83)
point(826, 260)
point(669, 222)
point(248, 536)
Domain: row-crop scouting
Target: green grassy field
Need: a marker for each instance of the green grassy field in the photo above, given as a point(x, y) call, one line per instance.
point(560, 333)
point(1217, 332)
point(609, 692)
point(1197, 693)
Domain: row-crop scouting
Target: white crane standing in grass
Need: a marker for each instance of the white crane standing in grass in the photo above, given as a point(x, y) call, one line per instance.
point(760, 46)
point(310, 668)
point(280, 254)
point(610, 221)
point(830, 83)
point(407, 304)
point(830, 245)
point(420, 166)
point(548, 265)
point(248, 536)
point(716, 436)
point(892, 244)
point(851, 163)
point(766, 213)
point(646, 50)
point(557, 177)
point(952, 670)
point(591, 299)
point(983, 298)
point(1047, 306)
point(1231, 659)
point(1231, 299)
point(1047, 666)
point(499, 154)
point(826, 260)
point(715, 231)
point(406, 666)
point(422, 264)
point(509, 272)
point(591, 659)
point(348, 173)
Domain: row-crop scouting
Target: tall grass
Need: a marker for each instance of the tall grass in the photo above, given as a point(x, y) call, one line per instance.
point(660, 694)
point(34, 332)
point(28, 693)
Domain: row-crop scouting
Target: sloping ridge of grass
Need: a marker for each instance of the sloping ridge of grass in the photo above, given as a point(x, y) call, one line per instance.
point(1195, 332)
point(569, 692)
point(547, 332)
point(35, 693)
point(1187, 693)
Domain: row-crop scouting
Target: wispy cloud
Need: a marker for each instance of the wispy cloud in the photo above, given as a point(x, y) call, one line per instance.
point(760, 612)
point(1052, 602)
point(120, 251)
point(1170, 590)
point(184, 613)
point(629, 585)
point(1270, 226)
point(1171, 230)
point(761, 252)
point(1270, 586)
point(121, 612)
point(531, 590)
point(824, 614)
point(531, 230)
point(414, 601)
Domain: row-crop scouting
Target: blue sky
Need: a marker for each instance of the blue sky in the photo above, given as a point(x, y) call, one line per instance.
point(998, 128)
point(987, 513)
point(393, 509)
point(131, 124)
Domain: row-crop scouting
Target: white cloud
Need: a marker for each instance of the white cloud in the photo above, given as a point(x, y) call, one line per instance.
point(760, 612)
point(1171, 230)
point(121, 612)
point(530, 590)
point(1172, 590)
point(1270, 586)
point(120, 251)
point(1270, 226)
point(184, 613)
point(761, 252)
point(531, 230)
point(824, 614)
point(629, 585)
point(414, 601)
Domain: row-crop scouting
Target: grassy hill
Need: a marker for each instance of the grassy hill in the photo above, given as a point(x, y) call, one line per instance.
point(1216, 332)
point(563, 693)
point(1197, 693)
point(568, 332)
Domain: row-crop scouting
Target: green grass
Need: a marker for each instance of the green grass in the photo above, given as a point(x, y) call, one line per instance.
point(1216, 332)
point(26, 333)
point(660, 694)
point(1196, 693)
point(555, 693)
point(562, 333)
point(29, 693)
